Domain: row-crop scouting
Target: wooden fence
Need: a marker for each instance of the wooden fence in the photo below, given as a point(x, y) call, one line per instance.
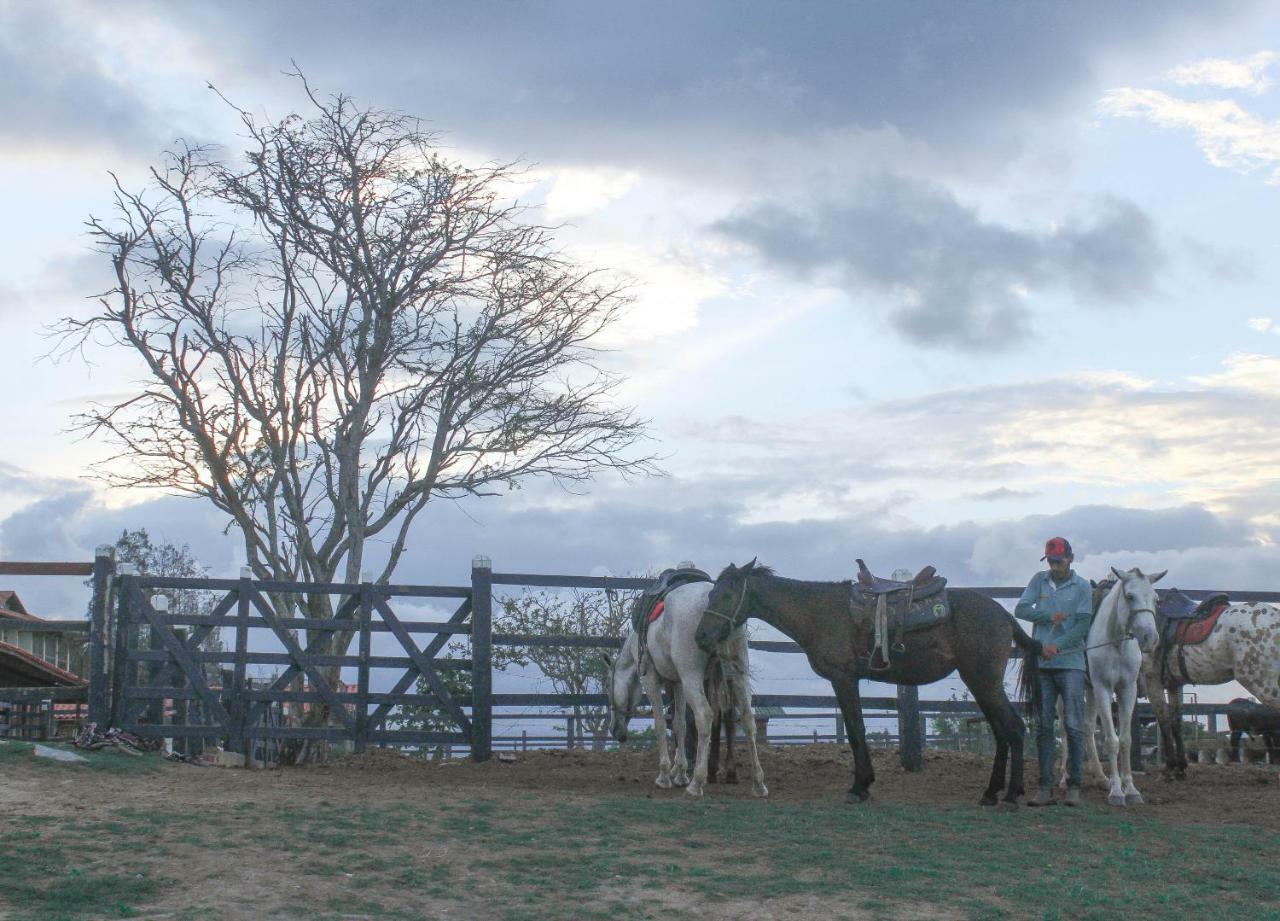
point(131, 680)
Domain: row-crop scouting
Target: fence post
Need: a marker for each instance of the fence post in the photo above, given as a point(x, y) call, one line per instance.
point(362, 670)
point(100, 637)
point(910, 747)
point(239, 706)
point(121, 671)
point(481, 658)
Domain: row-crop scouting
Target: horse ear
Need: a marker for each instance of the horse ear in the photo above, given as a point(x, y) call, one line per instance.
point(1156, 577)
point(750, 566)
point(1117, 573)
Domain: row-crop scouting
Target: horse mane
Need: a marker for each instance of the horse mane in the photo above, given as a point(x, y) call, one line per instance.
point(1114, 597)
point(757, 569)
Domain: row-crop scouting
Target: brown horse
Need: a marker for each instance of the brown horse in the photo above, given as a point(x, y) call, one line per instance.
point(976, 640)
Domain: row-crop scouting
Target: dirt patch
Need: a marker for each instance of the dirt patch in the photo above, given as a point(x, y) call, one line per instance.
point(1215, 794)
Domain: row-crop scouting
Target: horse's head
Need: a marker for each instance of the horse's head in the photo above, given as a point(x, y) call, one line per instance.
point(726, 607)
point(622, 686)
point(1136, 594)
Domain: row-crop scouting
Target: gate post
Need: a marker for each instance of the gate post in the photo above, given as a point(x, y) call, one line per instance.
point(121, 670)
point(910, 742)
point(362, 670)
point(481, 658)
point(104, 564)
point(239, 714)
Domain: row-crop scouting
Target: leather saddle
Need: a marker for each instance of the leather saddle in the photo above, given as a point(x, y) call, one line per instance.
point(1176, 605)
point(649, 599)
point(890, 606)
point(926, 583)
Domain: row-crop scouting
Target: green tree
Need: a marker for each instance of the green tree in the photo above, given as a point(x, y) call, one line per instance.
point(171, 561)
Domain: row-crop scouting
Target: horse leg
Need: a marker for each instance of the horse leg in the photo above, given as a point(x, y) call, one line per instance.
point(1102, 695)
point(864, 774)
point(713, 759)
point(742, 692)
point(1091, 701)
point(730, 741)
point(653, 690)
point(697, 702)
point(1126, 696)
point(1007, 728)
point(680, 770)
point(1175, 711)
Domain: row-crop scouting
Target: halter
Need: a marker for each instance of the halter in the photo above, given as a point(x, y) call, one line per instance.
point(733, 620)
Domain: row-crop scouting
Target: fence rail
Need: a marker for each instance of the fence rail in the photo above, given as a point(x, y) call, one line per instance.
point(148, 672)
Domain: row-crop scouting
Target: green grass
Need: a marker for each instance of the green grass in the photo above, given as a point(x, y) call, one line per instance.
point(555, 856)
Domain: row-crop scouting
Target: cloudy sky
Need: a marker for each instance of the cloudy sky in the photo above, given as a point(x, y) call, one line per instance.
point(920, 283)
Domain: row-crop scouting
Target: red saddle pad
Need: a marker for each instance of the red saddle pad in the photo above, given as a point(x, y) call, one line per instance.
point(657, 611)
point(1191, 632)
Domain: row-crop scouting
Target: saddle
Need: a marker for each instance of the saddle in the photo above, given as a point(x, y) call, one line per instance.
point(647, 607)
point(897, 607)
point(1184, 622)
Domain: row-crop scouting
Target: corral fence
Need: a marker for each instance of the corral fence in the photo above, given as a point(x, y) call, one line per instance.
point(149, 675)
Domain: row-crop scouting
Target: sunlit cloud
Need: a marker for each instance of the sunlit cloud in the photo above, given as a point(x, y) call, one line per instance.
point(1242, 74)
point(1230, 136)
point(579, 192)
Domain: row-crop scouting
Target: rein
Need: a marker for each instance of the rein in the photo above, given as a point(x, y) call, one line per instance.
point(1127, 636)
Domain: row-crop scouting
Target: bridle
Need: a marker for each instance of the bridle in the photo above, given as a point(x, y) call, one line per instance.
point(732, 619)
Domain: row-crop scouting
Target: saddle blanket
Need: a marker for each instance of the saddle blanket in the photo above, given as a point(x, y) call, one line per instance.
point(657, 611)
point(1193, 632)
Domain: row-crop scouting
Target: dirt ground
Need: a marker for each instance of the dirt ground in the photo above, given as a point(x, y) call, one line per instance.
point(386, 782)
point(1215, 794)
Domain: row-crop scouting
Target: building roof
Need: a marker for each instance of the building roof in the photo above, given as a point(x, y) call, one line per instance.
point(19, 668)
point(11, 606)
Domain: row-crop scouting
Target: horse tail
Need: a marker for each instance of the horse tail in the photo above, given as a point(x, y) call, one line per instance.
point(1029, 673)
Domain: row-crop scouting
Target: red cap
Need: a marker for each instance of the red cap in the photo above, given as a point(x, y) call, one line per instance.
point(1056, 548)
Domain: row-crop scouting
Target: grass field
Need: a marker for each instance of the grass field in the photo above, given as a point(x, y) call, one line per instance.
point(514, 854)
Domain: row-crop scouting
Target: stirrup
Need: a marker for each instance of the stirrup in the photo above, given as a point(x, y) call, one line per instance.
point(871, 664)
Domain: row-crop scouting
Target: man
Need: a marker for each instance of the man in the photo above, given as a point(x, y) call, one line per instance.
point(1060, 605)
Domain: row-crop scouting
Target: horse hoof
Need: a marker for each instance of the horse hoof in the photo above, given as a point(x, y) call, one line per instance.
point(761, 791)
point(855, 798)
point(1116, 799)
point(1133, 799)
point(694, 788)
point(663, 782)
point(988, 800)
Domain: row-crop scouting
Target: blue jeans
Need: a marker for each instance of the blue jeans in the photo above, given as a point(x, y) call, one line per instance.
point(1067, 683)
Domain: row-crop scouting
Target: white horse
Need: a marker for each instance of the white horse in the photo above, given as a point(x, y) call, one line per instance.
point(672, 658)
point(1123, 630)
point(1244, 647)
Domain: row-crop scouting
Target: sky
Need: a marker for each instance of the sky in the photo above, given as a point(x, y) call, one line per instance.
point(917, 283)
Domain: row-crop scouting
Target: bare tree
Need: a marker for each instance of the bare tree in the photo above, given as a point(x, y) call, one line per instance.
point(337, 328)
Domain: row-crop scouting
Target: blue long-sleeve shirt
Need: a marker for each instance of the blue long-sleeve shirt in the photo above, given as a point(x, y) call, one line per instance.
point(1042, 599)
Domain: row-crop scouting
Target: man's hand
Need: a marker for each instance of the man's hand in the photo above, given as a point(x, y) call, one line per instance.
point(1050, 650)
point(1059, 617)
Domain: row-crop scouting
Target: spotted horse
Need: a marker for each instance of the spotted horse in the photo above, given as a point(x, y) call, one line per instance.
point(1209, 643)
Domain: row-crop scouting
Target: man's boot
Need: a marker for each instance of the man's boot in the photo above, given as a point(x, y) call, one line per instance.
point(1042, 797)
point(1073, 796)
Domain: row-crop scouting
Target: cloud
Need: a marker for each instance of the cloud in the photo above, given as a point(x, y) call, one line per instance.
point(1003, 493)
point(61, 91)
point(952, 279)
point(1230, 136)
point(1242, 74)
point(626, 84)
